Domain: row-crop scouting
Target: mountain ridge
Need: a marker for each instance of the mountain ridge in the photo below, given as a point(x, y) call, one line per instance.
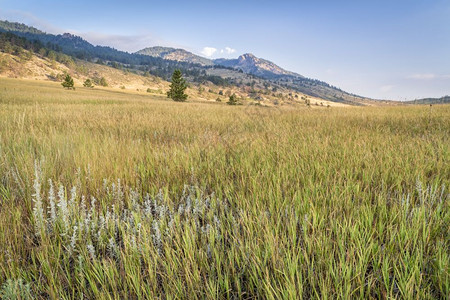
point(441, 100)
point(246, 62)
point(196, 68)
point(249, 63)
point(176, 54)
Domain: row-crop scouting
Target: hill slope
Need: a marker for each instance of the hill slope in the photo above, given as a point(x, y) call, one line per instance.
point(255, 77)
point(29, 65)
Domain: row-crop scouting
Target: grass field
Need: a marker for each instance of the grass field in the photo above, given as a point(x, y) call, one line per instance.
point(108, 194)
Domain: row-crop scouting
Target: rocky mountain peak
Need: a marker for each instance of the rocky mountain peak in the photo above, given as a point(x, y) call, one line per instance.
point(68, 35)
point(248, 56)
point(175, 54)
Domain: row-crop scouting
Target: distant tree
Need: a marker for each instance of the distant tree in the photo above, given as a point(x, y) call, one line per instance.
point(232, 100)
point(88, 83)
point(27, 55)
point(177, 87)
point(103, 82)
point(8, 48)
point(218, 99)
point(68, 82)
point(51, 55)
point(42, 52)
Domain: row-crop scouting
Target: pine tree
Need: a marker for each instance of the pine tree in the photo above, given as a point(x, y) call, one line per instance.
point(177, 87)
point(68, 82)
point(233, 100)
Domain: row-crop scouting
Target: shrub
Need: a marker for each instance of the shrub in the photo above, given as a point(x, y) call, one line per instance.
point(88, 83)
point(100, 81)
point(103, 82)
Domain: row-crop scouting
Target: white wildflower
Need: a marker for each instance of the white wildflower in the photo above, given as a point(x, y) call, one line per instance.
point(52, 202)
point(63, 209)
point(73, 240)
point(91, 251)
point(157, 237)
point(73, 196)
point(112, 248)
point(83, 207)
point(181, 209)
point(38, 211)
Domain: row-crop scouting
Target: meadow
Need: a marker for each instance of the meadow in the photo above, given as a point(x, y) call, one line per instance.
point(107, 194)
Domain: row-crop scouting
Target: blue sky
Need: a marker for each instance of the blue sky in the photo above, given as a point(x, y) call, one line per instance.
point(394, 49)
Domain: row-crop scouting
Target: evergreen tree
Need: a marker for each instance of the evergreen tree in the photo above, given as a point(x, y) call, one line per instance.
point(88, 83)
point(233, 100)
point(177, 87)
point(68, 82)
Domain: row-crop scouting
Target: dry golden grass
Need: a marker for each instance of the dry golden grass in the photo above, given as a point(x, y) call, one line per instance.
point(311, 203)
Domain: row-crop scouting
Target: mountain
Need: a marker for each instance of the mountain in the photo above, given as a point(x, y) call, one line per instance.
point(261, 68)
point(175, 54)
point(268, 70)
point(442, 100)
point(251, 64)
point(6, 26)
point(248, 62)
point(259, 78)
point(78, 47)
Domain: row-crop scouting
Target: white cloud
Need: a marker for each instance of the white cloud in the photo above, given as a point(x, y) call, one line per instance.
point(229, 50)
point(386, 88)
point(209, 51)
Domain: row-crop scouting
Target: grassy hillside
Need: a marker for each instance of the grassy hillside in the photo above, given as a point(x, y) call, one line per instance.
point(28, 65)
point(110, 194)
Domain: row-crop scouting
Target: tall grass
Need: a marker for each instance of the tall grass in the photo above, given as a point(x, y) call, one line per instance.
point(111, 195)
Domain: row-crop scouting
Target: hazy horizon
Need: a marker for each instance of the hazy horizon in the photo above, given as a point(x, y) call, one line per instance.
point(380, 50)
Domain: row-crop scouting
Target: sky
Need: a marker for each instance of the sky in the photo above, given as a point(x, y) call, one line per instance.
point(384, 49)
